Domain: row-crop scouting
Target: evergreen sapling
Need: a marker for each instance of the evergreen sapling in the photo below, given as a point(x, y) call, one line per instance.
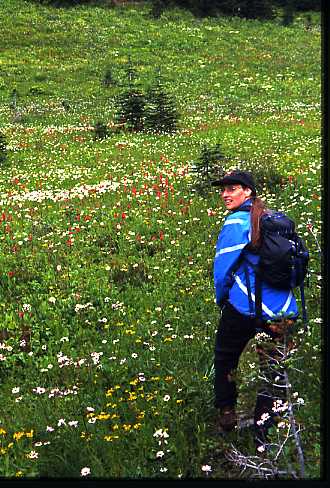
point(161, 114)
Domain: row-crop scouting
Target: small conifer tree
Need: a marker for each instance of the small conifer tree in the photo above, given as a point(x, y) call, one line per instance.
point(108, 78)
point(3, 149)
point(65, 105)
point(13, 99)
point(161, 114)
point(209, 165)
point(130, 111)
point(131, 73)
point(131, 102)
point(100, 130)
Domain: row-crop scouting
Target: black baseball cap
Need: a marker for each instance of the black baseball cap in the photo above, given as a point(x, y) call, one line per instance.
point(244, 178)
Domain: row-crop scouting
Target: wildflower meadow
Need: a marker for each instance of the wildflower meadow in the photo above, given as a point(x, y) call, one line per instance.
point(108, 316)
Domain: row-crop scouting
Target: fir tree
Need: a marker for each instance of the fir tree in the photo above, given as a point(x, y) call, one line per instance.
point(108, 78)
point(130, 111)
point(3, 149)
point(13, 99)
point(131, 73)
point(209, 164)
point(161, 114)
point(100, 130)
point(131, 102)
point(65, 105)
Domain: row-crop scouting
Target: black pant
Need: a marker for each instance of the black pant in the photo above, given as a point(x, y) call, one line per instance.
point(234, 332)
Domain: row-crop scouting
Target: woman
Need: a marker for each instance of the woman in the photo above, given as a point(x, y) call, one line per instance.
point(234, 280)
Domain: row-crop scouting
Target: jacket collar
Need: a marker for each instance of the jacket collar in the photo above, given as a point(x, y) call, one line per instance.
point(245, 207)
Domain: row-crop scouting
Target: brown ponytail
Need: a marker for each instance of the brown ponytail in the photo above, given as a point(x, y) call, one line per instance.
point(257, 210)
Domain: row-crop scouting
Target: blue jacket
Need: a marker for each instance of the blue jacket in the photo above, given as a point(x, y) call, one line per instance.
point(233, 238)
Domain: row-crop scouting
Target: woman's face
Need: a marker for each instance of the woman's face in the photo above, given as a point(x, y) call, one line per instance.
point(234, 195)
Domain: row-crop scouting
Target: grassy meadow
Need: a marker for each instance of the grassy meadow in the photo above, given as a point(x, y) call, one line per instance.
point(107, 305)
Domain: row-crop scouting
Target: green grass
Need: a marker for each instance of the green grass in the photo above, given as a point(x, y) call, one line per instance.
point(119, 282)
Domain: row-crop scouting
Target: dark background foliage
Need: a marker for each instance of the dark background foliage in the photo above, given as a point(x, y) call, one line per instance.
point(253, 9)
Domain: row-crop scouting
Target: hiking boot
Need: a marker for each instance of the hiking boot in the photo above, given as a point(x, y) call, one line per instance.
point(227, 418)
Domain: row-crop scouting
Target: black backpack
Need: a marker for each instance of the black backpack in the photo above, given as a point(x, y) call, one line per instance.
point(283, 254)
point(283, 260)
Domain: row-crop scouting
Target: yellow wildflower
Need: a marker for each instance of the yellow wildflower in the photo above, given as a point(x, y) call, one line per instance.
point(103, 416)
point(18, 435)
point(29, 434)
point(2, 431)
point(130, 332)
point(86, 435)
point(127, 427)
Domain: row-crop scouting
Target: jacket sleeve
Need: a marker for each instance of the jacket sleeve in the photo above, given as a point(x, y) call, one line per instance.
point(234, 236)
